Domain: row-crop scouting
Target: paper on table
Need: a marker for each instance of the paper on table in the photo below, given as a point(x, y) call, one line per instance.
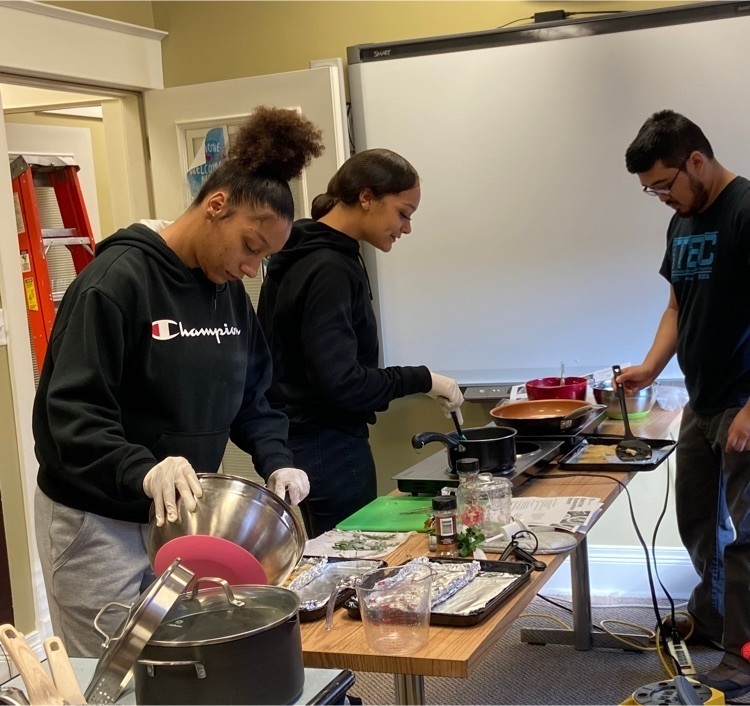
point(574, 514)
point(375, 544)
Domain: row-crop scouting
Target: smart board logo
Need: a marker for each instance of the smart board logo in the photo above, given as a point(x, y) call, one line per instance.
point(378, 54)
point(742, 8)
point(166, 329)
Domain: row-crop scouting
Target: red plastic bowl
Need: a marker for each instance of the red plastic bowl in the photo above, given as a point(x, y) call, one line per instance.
point(551, 389)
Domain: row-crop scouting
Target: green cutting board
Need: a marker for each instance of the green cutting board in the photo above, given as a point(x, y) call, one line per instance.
point(390, 514)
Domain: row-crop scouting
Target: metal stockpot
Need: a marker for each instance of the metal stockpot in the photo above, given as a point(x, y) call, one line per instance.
point(222, 645)
point(495, 448)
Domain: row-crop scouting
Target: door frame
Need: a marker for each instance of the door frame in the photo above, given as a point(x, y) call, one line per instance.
point(133, 66)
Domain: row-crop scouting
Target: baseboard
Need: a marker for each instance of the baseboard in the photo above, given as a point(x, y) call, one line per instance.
point(621, 571)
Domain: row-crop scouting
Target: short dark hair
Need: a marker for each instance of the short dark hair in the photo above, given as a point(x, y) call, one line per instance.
point(273, 146)
point(666, 136)
point(380, 170)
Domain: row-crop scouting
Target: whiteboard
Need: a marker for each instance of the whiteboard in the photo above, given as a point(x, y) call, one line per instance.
point(533, 244)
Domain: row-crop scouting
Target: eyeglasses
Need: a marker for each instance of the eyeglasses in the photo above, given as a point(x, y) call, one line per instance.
point(666, 190)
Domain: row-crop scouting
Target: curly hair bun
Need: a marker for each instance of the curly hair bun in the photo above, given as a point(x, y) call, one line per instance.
point(276, 143)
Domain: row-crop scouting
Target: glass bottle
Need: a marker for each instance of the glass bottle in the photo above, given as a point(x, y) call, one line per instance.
point(446, 528)
point(485, 504)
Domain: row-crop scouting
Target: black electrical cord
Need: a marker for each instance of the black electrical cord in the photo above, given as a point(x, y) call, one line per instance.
point(642, 542)
point(528, 533)
point(512, 22)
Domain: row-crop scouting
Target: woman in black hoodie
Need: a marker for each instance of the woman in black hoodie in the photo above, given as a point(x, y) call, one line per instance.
point(156, 359)
point(316, 311)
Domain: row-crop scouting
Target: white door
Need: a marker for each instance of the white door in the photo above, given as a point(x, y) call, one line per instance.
point(178, 118)
point(175, 115)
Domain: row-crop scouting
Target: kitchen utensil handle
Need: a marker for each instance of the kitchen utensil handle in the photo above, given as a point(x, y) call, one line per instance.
point(39, 687)
point(616, 371)
point(63, 675)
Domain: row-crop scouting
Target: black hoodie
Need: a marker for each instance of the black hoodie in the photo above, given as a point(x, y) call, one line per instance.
point(149, 359)
point(315, 309)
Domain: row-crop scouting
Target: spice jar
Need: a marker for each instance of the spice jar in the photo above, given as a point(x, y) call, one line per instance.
point(446, 529)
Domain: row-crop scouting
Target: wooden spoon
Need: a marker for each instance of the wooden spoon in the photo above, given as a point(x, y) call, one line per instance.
point(39, 687)
point(62, 671)
point(630, 448)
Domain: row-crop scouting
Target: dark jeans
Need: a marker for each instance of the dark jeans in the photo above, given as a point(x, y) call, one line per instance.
point(342, 476)
point(713, 515)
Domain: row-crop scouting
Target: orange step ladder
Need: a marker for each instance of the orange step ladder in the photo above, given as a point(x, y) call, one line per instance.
point(34, 241)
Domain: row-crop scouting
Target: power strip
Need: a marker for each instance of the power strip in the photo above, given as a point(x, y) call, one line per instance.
point(681, 656)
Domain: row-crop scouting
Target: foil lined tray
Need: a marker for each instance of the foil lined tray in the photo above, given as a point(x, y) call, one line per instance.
point(596, 453)
point(315, 578)
point(493, 585)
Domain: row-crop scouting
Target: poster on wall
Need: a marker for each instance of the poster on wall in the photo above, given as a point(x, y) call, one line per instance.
point(209, 151)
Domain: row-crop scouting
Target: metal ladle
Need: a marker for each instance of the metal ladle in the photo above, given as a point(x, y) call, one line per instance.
point(630, 448)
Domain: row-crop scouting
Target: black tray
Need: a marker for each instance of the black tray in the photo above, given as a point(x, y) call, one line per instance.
point(661, 448)
point(521, 568)
point(308, 616)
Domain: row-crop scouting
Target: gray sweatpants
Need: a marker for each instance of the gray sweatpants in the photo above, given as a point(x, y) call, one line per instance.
point(712, 490)
point(88, 561)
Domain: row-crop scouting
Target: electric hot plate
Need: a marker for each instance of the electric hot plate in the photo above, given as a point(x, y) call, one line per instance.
point(428, 477)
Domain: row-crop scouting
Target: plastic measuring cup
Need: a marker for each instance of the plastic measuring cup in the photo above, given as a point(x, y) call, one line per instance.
point(395, 606)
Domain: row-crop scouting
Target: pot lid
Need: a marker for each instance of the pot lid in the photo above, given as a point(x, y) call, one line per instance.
point(112, 672)
point(223, 613)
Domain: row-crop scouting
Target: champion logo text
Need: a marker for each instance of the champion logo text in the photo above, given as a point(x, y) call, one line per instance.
point(166, 329)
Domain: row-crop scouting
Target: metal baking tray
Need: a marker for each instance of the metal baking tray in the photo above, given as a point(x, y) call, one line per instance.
point(321, 587)
point(520, 570)
point(575, 460)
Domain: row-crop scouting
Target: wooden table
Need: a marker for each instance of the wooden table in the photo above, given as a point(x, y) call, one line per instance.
point(457, 651)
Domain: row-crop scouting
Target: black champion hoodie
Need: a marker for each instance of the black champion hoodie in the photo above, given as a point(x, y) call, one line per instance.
point(315, 309)
point(149, 359)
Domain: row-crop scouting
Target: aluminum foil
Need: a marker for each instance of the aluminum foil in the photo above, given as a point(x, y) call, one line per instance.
point(450, 578)
point(310, 570)
point(473, 598)
point(315, 593)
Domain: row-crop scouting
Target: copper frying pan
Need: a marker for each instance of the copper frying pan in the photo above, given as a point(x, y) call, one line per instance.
point(544, 416)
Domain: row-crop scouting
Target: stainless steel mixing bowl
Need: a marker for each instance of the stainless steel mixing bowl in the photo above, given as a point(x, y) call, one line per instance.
point(245, 513)
point(638, 404)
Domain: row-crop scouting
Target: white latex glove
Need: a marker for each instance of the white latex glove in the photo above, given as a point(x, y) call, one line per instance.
point(289, 480)
point(172, 474)
point(446, 391)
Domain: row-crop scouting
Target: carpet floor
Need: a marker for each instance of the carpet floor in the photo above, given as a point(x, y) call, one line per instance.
point(517, 673)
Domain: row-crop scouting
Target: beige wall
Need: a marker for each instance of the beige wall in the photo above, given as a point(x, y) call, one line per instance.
point(95, 126)
point(211, 41)
point(214, 40)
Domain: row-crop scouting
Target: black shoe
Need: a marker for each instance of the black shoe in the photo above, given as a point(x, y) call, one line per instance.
point(684, 625)
point(728, 679)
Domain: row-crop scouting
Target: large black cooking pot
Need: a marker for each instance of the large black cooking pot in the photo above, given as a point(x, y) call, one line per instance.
point(222, 645)
point(495, 448)
point(542, 417)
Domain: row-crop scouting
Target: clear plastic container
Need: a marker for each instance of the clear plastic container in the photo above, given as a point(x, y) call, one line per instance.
point(395, 605)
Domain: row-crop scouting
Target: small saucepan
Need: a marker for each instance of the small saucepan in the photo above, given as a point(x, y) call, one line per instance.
point(495, 448)
point(530, 417)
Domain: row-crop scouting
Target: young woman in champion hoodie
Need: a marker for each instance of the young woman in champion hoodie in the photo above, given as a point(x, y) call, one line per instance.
point(156, 359)
point(316, 311)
